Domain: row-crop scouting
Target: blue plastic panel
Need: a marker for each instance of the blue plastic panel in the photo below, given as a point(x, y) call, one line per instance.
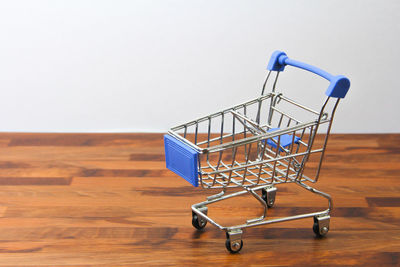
point(181, 159)
point(285, 141)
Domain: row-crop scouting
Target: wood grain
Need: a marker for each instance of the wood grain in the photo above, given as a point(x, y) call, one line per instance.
point(107, 200)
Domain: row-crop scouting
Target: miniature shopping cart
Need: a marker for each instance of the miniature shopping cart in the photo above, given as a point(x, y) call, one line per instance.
point(255, 146)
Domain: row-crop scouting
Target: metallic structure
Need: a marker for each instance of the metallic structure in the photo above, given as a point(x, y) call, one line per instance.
point(254, 147)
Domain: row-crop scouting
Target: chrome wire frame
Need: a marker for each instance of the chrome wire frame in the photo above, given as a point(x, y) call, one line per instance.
point(240, 156)
point(198, 208)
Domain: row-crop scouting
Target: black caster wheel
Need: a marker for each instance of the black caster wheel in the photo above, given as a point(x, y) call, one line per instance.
point(321, 226)
point(268, 195)
point(315, 229)
point(235, 247)
point(197, 222)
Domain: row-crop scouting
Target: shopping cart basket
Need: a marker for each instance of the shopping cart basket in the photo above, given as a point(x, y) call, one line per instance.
point(255, 146)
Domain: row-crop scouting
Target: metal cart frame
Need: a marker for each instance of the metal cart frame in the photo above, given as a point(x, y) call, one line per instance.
point(256, 152)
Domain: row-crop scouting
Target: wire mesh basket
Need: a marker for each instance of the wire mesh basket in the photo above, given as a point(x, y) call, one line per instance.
point(256, 145)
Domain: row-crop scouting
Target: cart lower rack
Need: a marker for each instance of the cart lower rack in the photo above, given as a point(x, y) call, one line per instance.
point(254, 147)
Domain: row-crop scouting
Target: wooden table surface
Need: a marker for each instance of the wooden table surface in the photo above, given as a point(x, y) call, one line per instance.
point(107, 199)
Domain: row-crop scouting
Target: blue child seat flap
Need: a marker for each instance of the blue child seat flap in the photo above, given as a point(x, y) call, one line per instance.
point(285, 140)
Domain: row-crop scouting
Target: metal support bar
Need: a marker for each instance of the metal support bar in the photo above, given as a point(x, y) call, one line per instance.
point(252, 223)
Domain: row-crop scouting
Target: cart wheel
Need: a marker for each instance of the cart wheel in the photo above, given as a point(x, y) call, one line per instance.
point(197, 222)
point(268, 194)
point(321, 226)
point(235, 247)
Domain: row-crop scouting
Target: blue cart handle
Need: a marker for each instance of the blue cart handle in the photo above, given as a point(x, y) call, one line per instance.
point(339, 84)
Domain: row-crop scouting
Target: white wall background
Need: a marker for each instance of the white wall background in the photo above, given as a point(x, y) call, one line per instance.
point(91, 66)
